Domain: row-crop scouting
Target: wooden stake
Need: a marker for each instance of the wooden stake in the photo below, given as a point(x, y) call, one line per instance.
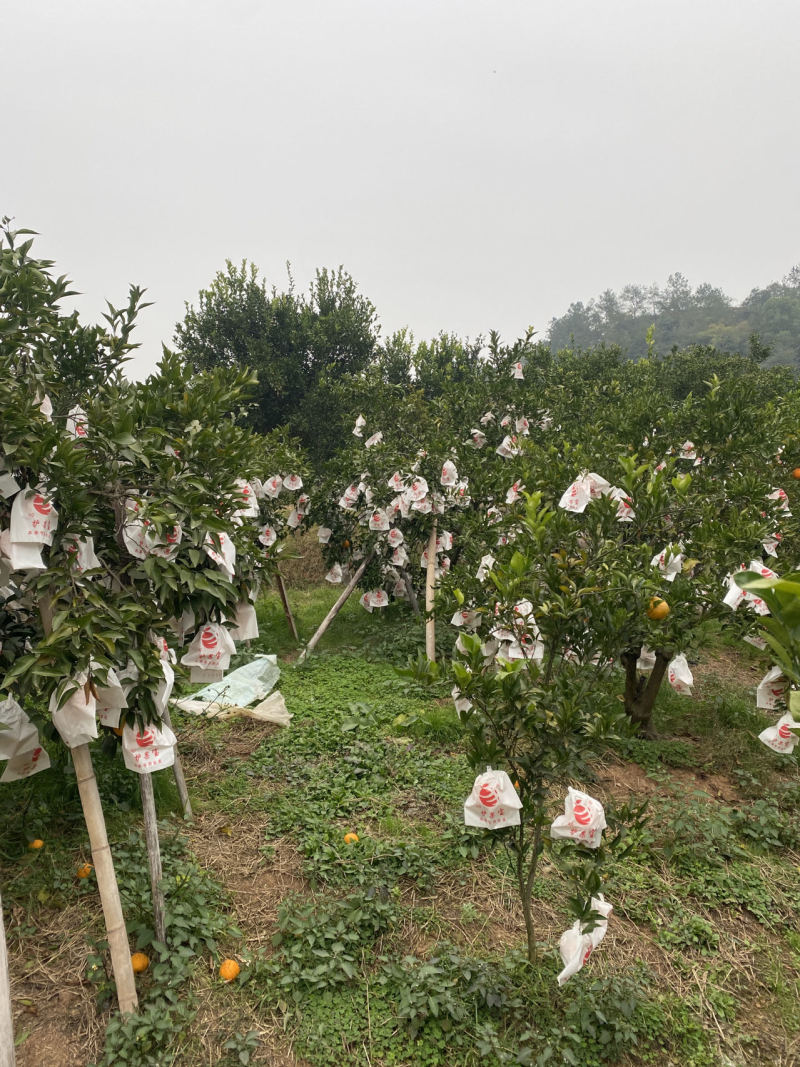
point(153, 855)
point(106, 880)
point(6, 1018)
point(287, 611)
point(430, 581)
point(177, 770)
point(337, 607)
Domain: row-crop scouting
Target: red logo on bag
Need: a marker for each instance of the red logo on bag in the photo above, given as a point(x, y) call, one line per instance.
point(173, 536)
point(488, 795)
point(41, 505)
point(35, 755)
point(784, 731)
point(209, 639)
point(581, 813)
point(146, 739)
point(588, 953)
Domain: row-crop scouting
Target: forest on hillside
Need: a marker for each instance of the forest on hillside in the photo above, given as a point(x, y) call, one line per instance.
point(765, 325)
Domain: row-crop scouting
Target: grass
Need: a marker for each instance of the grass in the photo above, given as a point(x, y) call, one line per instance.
point(405, 948)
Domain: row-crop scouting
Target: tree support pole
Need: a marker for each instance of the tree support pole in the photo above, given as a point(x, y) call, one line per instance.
point(177, 770)
point(285, 601)
point(430, 581)
point(153, 855)
point(337, 607)
point(7, 1058)
point(106, 880)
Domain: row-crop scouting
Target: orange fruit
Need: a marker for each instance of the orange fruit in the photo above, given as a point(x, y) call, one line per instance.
point(38, 843)
point(796, 472)
point(658, 610)
point(350, 839)
point(84, 870)
point(228, 970)
point(346, 544)
point(139, 962)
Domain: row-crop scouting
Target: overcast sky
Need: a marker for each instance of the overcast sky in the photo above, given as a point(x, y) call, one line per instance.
point(474, 164)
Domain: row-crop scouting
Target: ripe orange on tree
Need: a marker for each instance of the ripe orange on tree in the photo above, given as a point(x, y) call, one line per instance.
point(350, 839)
point(35, 844)
point(140, 962)
point(658, 609)
point(796, 472)
point(84, 870)
point(228, 970)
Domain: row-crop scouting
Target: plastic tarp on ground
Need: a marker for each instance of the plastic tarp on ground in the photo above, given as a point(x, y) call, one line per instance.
point(254, 681)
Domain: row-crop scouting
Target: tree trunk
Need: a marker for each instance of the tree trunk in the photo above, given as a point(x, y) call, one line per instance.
point(641, 691)
point(153, 855)
point(106, 880)
point(412, 596)
point(6, 1017)
point(430, 582)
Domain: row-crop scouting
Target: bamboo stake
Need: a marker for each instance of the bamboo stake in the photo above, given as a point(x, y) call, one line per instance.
point(106, 880)
point(7, 1058)
point(430, 580)
point(285, 601)
point(337, 607)
point(177, 770)
point(153, 855)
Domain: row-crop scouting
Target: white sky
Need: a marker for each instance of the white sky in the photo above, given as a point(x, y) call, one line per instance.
point(474, 164)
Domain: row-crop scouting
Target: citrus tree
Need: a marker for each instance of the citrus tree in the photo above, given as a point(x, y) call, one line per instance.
point(128, 523)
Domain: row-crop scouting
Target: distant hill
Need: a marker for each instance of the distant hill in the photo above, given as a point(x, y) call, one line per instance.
point(765, 325)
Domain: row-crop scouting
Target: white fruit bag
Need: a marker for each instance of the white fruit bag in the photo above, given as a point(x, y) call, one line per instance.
point(211, 648)
point(772, 689)
point(75, 719)
point(77, 423)
point(224, 556)
point(25, 764)
point(449, 473)
point(272, 486)
point(334, 575)
point(679, 676)
point(164, 689)
point(576, 946)
point(15, 729)
point(246, 628)
point(669, 561)
point(149, 749)
point(111, 699)
point(781, 736)
point(379, 520)
point(34, 520)
point(583, 820)
point(646, 660)
point(493, 802)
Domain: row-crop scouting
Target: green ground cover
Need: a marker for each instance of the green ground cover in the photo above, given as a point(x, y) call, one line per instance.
point(407, 946)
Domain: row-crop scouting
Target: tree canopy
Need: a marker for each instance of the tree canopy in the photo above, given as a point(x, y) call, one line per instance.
point(765, 326)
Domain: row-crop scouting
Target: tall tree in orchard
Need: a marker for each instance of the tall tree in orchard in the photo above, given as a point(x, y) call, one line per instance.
point(298, 344)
